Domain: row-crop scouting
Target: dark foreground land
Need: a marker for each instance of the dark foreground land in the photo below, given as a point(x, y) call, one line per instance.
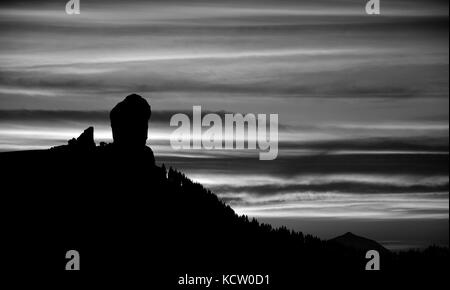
point(127, 216)
point(132, 221)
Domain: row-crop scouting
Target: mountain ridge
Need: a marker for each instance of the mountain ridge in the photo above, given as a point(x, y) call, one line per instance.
point(128, 216)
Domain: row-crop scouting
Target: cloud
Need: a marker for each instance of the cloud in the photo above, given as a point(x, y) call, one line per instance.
point(337, 187)
point(393, 144)
point(349, 206)
point(288, 166)
point(247, 78)
point(52, 116)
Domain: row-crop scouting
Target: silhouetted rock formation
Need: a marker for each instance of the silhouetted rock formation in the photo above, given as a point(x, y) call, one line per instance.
point(129, 122)
point(85, 142)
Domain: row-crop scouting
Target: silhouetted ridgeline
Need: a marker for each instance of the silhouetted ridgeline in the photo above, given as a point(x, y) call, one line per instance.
point(126, 215)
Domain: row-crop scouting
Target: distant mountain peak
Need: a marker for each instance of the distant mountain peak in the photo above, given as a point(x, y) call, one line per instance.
point(350, 240)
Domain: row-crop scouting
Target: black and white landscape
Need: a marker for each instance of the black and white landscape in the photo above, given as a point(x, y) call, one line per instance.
point(363, 106)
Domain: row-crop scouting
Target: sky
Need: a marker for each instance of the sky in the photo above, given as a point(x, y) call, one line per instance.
point(363, 101)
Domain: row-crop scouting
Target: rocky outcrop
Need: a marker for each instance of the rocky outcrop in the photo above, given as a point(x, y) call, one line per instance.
point(85, 142)
point(129, 122)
